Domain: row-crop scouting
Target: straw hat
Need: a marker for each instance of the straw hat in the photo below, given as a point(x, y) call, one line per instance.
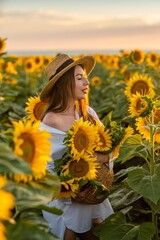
point(60, 65)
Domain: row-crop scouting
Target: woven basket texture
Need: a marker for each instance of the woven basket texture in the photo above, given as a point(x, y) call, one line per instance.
point(106, 177)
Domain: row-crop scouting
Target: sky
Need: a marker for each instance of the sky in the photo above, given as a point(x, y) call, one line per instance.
point(41, 25)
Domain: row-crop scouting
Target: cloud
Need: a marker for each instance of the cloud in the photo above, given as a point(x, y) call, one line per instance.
point(50, 29)
point(46, 16)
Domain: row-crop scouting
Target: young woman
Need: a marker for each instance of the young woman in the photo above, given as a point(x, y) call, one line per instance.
point(65, 94)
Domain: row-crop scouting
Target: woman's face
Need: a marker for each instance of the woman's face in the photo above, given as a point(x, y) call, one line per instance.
point(81, 83)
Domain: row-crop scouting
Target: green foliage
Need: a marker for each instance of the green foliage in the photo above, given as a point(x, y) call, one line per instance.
point(145, 184)
point(29, 230)
point(43, 190)
point(10, 163)
point(117, 228)
point(133, 146)
point(135, 192)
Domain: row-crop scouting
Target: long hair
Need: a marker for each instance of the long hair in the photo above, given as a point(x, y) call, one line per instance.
point(60, 93)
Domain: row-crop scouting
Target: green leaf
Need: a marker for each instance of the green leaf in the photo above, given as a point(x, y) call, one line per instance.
point(155, 207)
point(35, 193)
point(123, 196)
point(10, 163)
point(146, 231)
point(132, 147)
point(115, 227)
point(145, 185)
point(51, 209)
point(26, 230)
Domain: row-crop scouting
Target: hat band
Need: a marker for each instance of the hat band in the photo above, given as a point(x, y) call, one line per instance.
point(64, 65)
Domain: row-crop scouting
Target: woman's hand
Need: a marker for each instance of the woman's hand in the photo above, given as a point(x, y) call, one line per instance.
point(101, 158)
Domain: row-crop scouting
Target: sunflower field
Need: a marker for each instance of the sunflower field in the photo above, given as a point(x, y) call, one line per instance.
point(124, 91)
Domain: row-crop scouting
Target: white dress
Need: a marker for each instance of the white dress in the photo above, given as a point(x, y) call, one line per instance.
point(77, 217)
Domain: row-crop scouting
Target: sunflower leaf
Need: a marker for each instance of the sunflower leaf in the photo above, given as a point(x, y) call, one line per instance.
point(115, 227)
point(10, 163)
point(50, 209)
point(28, 230)
point(132, 147)
point(34, 193)
point(145, 185)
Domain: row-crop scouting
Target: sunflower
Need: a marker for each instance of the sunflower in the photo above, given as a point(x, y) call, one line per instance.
point(19, 61)
point(33, 146)
point(2, 232)
point(140, 83)
point(2, 45)
point(104, 142)
point(152, 59)
point(47, 60)
point(113, 62)
point(35, 108)
point(99, 58)
point(10, 68)
point(140, 105)
point(69, 189)
point(137, 56)
point(84, 168)
point(141, 124)
point(125, 72)
point(1, 78)
point(125, 53)
point(80, 139)
point(7, 204)
point(7, 201)
point(29, 65)
point(96, 81)
point(156, 115)
point(39, 60)
point(128, 131)
point(11, 81)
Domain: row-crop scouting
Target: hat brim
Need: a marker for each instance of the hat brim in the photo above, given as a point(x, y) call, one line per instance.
point(87, 62)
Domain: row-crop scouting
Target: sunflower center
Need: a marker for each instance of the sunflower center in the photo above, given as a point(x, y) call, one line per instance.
point(140, 86)
point(28, 147)
point(37, 60)
point(153, 58)
point(137, 56)
point(81, 140)
point(29, 65)
point(96, 81)
point(39, 110)
point(63, 189)
point(141, 105)
point(157, 117)
point(79, 168)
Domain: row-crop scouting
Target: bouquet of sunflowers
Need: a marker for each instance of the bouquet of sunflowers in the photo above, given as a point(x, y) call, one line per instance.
point(78, 168)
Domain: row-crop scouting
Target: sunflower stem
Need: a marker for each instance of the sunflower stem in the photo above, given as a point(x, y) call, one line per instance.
point(152, 159)
point(152, 170)
point(16, 214)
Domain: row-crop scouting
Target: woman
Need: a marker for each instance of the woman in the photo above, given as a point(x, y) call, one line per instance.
point(65, 94)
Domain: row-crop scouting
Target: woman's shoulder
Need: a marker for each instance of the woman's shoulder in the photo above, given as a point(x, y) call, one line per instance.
point(51, 119)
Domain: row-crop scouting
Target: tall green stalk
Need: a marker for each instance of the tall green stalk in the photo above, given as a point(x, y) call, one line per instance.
point(152, 171)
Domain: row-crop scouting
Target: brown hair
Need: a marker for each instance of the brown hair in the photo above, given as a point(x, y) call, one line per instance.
point(60, 93)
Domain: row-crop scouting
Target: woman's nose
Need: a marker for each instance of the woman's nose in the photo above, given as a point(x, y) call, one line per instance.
point(86, 81)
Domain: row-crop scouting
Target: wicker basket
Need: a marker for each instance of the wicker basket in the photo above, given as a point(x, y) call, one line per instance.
point(105, 176)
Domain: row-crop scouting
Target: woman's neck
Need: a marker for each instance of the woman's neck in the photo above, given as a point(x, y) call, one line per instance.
point(70, 109)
